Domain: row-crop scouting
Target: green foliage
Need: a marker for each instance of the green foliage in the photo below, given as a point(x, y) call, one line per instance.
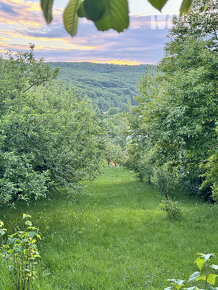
point(20, 253)
point(49, 136)
point(19, 179)
point(171, 207)
point(71, 17)
point(46, 6)
point(113, 154)
point(205, 274)
point(159, 4)
point(211, 175)
point(117, 128)
point(175, 120)
point(107, 85)
point(106, 14)
point(165, 181)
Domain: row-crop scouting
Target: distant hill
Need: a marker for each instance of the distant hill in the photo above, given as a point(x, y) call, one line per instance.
point(108, 85)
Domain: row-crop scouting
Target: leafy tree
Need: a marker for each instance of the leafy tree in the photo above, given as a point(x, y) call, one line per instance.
point(106, 85)
point(140, 147)
point(177, 109)
point(106, 14)
point(48, 136)
point(113, 154)
point(117, 128)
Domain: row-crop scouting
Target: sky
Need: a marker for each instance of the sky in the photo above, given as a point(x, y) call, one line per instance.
point(21, 23)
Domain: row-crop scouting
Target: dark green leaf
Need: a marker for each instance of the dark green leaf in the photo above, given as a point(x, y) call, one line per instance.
point(94, 9)
point(80, 10)
point(159, 4)
point(71, 17)
point(186, 6)
point(46, 6)
point(116, 16)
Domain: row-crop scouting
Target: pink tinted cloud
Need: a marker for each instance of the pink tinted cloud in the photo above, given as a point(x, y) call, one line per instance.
point(22, 22)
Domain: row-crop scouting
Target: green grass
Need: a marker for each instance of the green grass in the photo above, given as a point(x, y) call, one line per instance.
point(114, 236)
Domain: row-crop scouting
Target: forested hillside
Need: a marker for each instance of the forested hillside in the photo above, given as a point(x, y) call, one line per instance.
point(107, 85)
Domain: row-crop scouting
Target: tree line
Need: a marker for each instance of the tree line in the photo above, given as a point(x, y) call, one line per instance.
point(173, 131)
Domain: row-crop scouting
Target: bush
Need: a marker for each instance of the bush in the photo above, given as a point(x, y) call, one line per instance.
point(205, 277)
point(211, 176)
point(19, 180)
point(172, 208)
point(48, 135)
point(165, 180)
point(20, 253)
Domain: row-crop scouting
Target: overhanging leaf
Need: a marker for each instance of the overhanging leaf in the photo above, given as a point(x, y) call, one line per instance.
point(94, 9)
point(158, 4)
point(116, 16)
point(81, 10)
point(185, 7)
point(46, 6)
point(71, 17)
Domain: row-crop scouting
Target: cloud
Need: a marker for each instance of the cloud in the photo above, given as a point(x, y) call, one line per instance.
point(8, 9)
point(143, 42)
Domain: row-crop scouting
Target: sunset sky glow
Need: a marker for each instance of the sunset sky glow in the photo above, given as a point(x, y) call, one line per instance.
point(21, 23)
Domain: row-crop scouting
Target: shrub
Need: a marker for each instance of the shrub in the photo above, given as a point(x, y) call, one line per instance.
point(19, 180)
point(205, 275)
point(20, 253)
point(165, 181)
point(211, 175)
point(172, 208)
point(48, 135)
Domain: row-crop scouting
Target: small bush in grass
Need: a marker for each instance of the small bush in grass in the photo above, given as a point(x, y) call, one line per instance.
point(165, 180)
point(171, 207)
point(205, 277)
point(20, 253)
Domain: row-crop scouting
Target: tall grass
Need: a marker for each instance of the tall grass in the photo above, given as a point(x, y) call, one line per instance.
point(114, 236)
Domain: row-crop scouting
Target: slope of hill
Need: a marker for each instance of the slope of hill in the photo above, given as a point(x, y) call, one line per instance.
point(108, 85)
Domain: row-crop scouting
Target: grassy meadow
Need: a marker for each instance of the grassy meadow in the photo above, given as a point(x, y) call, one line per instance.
point(114, 236)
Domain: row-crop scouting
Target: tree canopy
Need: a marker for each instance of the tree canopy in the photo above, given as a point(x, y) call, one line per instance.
point(49, 136)
point(174, 124)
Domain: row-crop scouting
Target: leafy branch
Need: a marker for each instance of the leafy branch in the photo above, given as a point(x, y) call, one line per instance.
point(106, 14)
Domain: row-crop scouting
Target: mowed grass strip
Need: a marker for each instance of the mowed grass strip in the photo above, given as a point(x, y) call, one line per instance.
point(114, 236)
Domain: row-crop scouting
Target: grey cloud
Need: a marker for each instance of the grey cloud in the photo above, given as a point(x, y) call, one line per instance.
point(8, 9)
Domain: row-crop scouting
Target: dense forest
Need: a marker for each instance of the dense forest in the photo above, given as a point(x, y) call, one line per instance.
point(108, 85)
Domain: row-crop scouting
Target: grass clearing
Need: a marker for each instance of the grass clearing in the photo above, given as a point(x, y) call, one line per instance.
point(115, 236)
